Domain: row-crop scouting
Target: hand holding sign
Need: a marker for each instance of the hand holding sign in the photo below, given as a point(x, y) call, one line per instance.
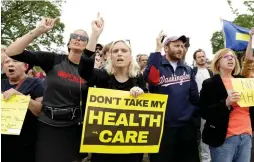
point(233, 97)
point(136, 91)
point(245, 86)
point(9, 93)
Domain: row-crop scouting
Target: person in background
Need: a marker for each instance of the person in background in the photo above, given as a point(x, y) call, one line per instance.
point(105, 54)
point(142, 61)
point(31, 72)
point(21, 147)
point(170, 75)
point(228, 127)
point(248, 63)
point(3, 56)
point(59, 127)
point(186, 48)
point(201, 73)
point(248, 72)
point(98, 57)
point(98, 48)
point(119, 73)
point(41, 75)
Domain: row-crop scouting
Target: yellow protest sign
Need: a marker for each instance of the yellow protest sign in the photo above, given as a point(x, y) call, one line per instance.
point(245, 86)
point(115, 122)
point(13, 114)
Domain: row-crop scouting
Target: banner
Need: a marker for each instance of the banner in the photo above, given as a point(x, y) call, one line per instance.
point(245, 86)
point(115, 122)
point(13, 114)
point(236, 37)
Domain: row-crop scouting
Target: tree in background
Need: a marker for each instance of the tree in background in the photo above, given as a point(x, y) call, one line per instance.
point(244, 20)
point(19, 17)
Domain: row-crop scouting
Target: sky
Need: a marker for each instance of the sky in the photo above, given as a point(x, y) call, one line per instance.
point(141, 21)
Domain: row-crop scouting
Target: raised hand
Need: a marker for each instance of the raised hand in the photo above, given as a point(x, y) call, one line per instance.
point(97, 25)
point(159, 43)
point(47, 24)
point(251, 31)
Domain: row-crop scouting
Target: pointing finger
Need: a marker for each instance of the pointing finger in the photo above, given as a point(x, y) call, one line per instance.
point(98, 16)
point(56, 19)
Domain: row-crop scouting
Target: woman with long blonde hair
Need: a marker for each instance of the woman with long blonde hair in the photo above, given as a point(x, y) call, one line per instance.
point(121, 72)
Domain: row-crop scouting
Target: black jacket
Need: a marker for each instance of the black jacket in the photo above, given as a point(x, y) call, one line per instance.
point(213, 109)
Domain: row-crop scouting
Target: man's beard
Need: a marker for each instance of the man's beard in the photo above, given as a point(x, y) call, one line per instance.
point(201, 64)
point(173, 57)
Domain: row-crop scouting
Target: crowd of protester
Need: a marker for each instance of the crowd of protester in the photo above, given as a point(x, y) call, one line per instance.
point(202, 123)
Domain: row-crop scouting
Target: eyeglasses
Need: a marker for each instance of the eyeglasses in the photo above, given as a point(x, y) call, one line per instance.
point(229, 56)
point(81, 37)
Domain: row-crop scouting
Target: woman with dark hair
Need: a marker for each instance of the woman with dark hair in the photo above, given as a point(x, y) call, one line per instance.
point(59, 128)
point(121, 72)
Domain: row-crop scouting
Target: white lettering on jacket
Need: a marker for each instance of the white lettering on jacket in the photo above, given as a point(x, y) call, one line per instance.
point(174, 79)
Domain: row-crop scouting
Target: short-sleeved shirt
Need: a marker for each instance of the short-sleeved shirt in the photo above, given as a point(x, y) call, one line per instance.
point(63, 86)
point(21, 148)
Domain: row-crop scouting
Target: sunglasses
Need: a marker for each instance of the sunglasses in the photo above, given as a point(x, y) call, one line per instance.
point(82, 38)
point(99, 48)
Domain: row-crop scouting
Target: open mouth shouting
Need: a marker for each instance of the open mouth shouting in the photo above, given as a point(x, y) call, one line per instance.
point(11, 71)
point(119, 60)
point(230, 64)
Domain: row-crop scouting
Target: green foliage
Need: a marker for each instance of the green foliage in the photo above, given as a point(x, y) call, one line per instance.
point(244, 20)
point(19, 17)
point(217, 41)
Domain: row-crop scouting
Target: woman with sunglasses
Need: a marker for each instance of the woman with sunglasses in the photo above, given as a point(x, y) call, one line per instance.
point(59, 129)
point(121, 72)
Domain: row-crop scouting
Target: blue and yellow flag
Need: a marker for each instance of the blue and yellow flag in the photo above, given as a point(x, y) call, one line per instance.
point(235, 37)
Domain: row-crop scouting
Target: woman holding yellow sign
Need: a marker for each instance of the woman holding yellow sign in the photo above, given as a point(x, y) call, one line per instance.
point(228, 127)
point(121, 72)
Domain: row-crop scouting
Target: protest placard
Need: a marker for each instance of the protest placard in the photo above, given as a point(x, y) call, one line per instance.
point(13, 114)
point(115, 122)
point(245, 86)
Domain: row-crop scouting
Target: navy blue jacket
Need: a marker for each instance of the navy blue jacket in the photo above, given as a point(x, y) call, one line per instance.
point(179, 85)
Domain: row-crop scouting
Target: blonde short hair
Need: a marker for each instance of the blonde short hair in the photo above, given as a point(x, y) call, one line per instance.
point(215, 62)
point(133, 69)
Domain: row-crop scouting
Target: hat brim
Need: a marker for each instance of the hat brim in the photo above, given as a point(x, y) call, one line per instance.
point(183, 38)
point(99, 45)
